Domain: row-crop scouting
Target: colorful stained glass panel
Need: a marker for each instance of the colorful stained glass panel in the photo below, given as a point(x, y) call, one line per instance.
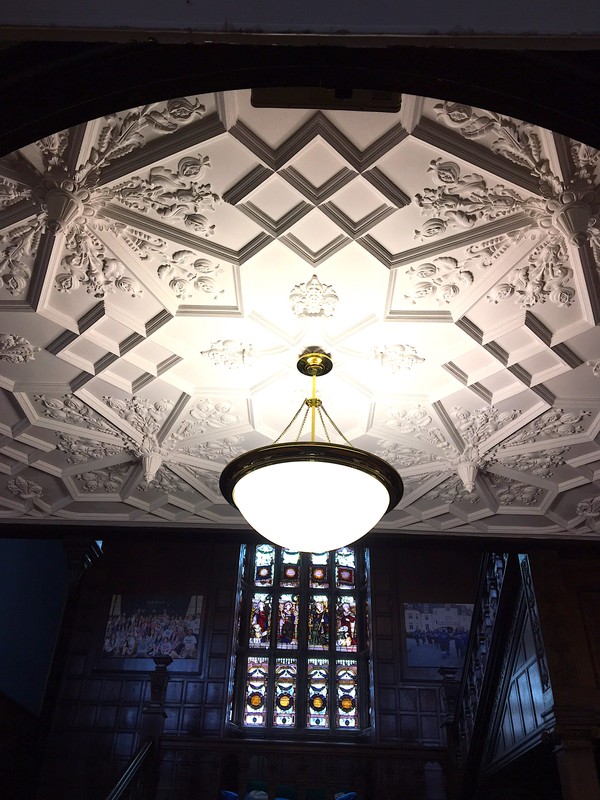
point(263, 565)
point(284, 715)
point(290, 568)
point(318, 622)
point(346, 684)
point(319, 570)
point(318, 694)
point(257, 676)
point(260, 620)
point(287, 622)
point(345, 623)
point(345, 568)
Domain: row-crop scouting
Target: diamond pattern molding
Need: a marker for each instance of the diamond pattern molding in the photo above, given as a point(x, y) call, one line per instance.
point(161, 269)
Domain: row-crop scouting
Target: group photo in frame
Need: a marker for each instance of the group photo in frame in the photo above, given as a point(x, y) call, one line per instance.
point(150, 626)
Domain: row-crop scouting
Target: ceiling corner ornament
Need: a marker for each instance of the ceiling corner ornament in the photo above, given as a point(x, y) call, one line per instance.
point(165, 481)
point(24, 489)
point(590, 510)
point(477, 426)
point(229, 354)
point(173, 194)
point(187, 273)
point(397, 357)
point(517, 493)
point(459, 201)
point(418, 422)
point(542, 464)
point(206, 415)
point(15, 349)
point(595, 365)
point(70, 410)
point(468, 466)
point(512, 139)
point(403, 456)
point(570, 207)
point(108, 479)
point(220, 450)
point(542, 278)
point(151, 463)
point(573, 212)
point(313, 299)
point(555, 423)
point(80, 450)
point(12, 192)
point(73, 201)
point(443, 278)
point(452, 490)
point(347, 490)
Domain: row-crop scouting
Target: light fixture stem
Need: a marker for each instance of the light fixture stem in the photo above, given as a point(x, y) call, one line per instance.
point(313, 407)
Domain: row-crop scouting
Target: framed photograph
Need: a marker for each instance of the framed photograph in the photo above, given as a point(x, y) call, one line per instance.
point(436, 635)
point(142, 627)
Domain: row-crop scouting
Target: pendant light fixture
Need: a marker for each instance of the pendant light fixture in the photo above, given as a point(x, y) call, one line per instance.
point(311, 495)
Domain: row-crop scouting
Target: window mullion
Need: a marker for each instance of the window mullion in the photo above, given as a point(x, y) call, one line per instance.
point(273, 653)
point(302, 660)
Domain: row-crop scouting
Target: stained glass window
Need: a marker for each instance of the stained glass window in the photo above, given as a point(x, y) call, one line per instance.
point(302, 657)
point(287, 623)
point(260, 620)
point(290, 568)
point(319, 570)
point(318, 622)
point(318, 691)
point(285, 693)
point(257, 676)
point(345, 568)
point(345, 623)
point(263, 565)
point(346, 685)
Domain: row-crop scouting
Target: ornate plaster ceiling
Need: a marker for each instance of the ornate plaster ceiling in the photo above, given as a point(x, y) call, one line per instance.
point(163, 267)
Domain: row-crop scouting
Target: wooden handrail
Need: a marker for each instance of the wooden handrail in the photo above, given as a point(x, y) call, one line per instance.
point(132, 771)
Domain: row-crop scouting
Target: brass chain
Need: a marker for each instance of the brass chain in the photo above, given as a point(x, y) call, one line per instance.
point(335, 427)
point(294, 418)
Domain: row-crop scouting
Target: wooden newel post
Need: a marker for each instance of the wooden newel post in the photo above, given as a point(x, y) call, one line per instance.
point(153, 719)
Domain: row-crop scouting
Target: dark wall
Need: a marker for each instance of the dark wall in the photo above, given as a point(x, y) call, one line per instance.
point(48, 86)
point(409, 701)
point(33, 586)
point(99, 711)
point(534, 776)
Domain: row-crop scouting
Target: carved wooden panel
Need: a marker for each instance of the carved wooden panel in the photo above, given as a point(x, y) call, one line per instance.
point(409, 702)
point(100, 709)
point(590, 607)
point(522, 714)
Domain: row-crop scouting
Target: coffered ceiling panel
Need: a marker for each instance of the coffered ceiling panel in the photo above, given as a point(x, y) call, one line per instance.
point(162, 268)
